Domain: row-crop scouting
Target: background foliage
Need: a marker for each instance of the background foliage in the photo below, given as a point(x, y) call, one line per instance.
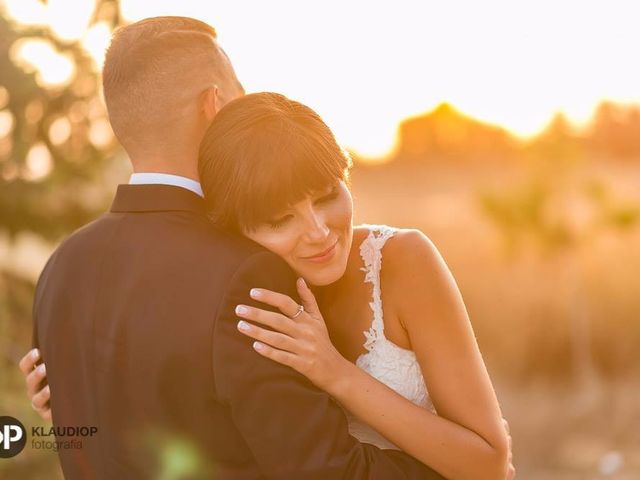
point(542, 236)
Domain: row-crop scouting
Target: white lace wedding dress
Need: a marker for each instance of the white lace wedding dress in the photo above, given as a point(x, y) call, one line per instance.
point(394, 366)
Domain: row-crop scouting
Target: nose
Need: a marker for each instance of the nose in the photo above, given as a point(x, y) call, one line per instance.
point(316, 229)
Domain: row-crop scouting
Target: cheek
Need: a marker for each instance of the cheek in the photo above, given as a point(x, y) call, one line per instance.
point(342, 212)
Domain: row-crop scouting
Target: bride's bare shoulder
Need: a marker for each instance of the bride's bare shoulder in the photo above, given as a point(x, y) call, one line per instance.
point(407, 250)
point(415, 277)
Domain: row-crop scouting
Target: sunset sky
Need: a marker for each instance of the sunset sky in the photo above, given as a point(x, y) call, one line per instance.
point(366, 65)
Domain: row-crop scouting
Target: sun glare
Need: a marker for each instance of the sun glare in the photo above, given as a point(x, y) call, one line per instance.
point(53, 68)
point(38, 163)
point(96, 41)
point(365, 66)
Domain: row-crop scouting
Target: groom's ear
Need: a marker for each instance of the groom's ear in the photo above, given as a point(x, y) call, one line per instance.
point(210, 102)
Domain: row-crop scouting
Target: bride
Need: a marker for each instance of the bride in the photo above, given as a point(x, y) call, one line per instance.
point(393, 345)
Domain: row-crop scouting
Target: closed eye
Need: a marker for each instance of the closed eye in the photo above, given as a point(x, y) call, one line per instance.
point(279, 222)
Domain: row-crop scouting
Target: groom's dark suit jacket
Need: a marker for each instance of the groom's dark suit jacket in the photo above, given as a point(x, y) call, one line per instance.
point(134, 314)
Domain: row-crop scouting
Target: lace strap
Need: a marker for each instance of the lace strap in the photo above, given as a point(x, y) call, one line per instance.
point(371, 253)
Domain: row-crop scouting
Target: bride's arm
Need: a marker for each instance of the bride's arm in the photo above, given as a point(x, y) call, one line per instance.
point(466, 440)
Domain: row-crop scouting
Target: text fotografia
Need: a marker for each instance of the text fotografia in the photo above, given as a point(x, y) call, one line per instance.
point(60, 437)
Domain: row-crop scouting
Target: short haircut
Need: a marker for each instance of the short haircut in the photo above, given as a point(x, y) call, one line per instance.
point(154, 70)
point(262, 153)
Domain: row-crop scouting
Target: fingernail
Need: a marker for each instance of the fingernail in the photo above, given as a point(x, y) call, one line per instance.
point(302, 282)
point(42, 368)
point(242, 310)
point(47, 389)
point(255, 293)
point(258, 345)
point(35, 353)
point(242, 325)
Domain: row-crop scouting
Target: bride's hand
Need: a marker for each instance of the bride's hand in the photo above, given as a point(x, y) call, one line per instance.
point(302, 342)
point(34, 375)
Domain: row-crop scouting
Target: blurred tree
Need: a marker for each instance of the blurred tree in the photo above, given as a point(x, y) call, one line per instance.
point(55, 142)
point(558, 141)
point(615, 131)
point(56, 173)
point(547, 210)
point(447, 134)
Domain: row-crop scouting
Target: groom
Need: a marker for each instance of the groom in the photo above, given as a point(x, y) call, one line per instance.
point(134, 313)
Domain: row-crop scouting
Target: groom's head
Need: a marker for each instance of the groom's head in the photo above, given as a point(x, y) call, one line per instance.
point(164, 80)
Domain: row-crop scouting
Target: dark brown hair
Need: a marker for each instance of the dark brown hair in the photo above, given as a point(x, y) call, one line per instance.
point(262, 153)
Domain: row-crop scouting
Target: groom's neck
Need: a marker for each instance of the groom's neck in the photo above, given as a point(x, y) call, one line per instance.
point(183, 166)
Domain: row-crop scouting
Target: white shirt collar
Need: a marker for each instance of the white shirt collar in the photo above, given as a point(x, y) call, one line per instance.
point(147, 178)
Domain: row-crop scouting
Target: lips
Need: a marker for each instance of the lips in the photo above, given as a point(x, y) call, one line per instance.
point(323, 253)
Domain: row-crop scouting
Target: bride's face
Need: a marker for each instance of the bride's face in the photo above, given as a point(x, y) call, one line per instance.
point(313, 236)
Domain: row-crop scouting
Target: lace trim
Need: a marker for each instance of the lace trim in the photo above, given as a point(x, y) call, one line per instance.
point(371, 253)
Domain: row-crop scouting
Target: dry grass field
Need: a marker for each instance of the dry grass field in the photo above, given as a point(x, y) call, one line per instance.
point(572, 396)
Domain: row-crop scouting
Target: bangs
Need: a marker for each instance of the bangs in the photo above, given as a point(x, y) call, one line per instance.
point(262, 154)
point(278, 174)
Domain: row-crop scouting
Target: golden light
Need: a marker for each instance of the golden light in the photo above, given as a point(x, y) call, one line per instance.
point(365, 66)
point(59, 130)
point(69, 18)
point(4, 96)
point(100, 133)
point(96, 41)
point(53, 69)
point(33, 111)
point(6, 123)
point(38, 162)
point(28, 12)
